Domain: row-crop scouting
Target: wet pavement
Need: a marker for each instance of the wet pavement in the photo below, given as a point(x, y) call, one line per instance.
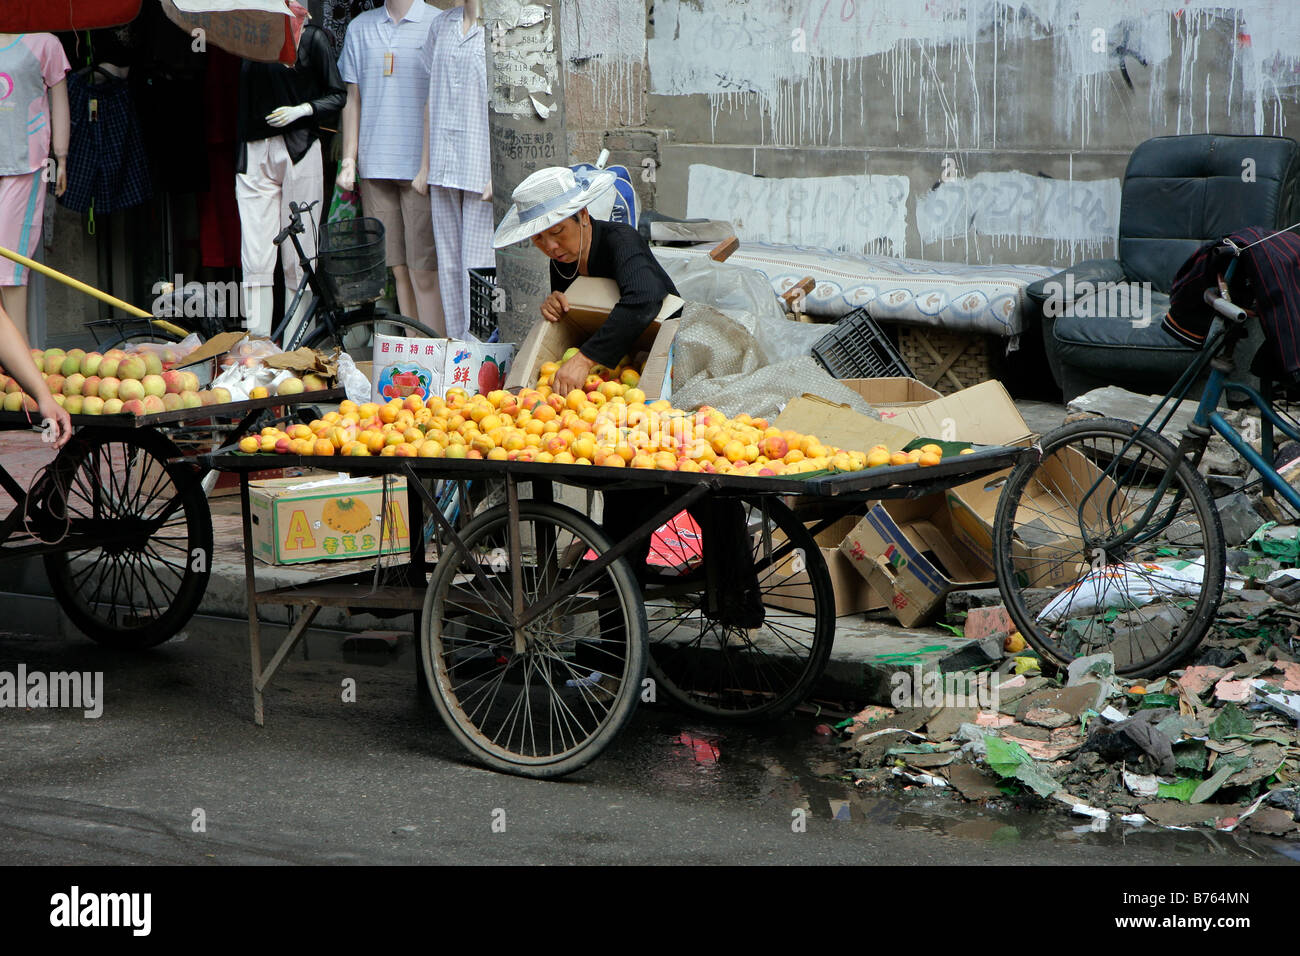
point(176, 772)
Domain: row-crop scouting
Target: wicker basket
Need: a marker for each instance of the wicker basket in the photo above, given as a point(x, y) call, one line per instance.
point(947, 361)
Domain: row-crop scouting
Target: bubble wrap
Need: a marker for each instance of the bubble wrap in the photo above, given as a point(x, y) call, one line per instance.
point(720, 359)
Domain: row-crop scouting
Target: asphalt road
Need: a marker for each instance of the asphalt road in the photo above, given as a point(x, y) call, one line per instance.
point(381, 781)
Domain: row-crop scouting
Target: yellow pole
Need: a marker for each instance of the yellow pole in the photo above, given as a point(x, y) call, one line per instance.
point(75, 283)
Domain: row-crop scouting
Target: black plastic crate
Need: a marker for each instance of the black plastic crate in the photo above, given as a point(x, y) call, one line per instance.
point(482, 295)
point(858, 348)
point(352, 260)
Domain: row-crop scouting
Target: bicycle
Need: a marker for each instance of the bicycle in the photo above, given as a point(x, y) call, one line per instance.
point(342, 313)
point(1108, 538)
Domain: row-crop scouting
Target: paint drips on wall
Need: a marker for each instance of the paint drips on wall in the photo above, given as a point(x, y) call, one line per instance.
point(606, 40)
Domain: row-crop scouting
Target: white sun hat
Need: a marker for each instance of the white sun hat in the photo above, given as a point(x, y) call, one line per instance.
point(549, 196)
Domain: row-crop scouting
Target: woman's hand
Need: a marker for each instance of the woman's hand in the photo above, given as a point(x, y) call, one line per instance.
point(421, 181)
point(52, 412)
point(487, 193)
point(555, 305)
point(572, 374)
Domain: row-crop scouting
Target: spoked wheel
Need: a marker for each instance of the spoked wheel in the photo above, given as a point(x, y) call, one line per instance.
point(742, 653)
point(139, 537)
point(1109, 543)
point(355, 333)
point(546, 699)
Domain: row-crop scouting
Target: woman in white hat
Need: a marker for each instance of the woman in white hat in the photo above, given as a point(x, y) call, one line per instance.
point(550, 208)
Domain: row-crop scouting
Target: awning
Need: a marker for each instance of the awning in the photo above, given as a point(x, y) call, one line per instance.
point(51, 16)
point(263, 30)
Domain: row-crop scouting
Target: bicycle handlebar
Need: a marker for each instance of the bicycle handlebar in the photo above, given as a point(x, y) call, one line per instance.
point(1215, 300)
point(296, 209)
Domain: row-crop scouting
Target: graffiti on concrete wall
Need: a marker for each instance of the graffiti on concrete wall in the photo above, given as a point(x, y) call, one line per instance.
point(1080, 217)
point(865, 214)
point(797, 58)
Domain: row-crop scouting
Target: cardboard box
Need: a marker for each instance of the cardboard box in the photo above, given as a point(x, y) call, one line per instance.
point(853, 593)
point(906, 547)
point(983, 414)
point(410, 366)
point(590, 302)
point(888, 395)
point(298, 520)
point(840, 426)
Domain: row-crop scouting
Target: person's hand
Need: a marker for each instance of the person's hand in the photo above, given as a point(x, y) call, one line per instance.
point(347, 178)
point(52, 412)
point(421, 181)
point(572, 374)
point(554, 306)
point(61, 175)
point(285, 115)
point(487, 193)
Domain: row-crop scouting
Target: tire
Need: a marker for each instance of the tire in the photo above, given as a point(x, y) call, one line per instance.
point(1049, 553)
point(355, 334)
point(533, 724)
point(726, 670)
point(143, 574)
point(141, 337)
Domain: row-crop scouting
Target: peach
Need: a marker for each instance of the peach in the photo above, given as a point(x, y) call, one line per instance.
point(90, 364)
point(133, 406)
point(189, 382)
point(132, 367)
point(108, 388)
point(172, 401)
point(53, 362)
point(314, 383)
point(91, 385)
point(72, 404)
point(290, 386)
point(55, 383)
point(221, 396)
point(13, 401)
point(154, 385)
point(191, 400)
point(112, 406)
point(130, 389)
point(72, 384)
point(92, 405)
point(172, 381)
point(71, 363)
point(250, 443)
point(152, 364)
point(153, 405)
point(108, 368)
point(259, 392)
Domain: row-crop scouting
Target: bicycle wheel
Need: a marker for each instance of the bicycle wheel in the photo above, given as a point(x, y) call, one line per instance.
point(707, 656)
point(1098, 551)
point(140, 538)
point(547, 703)
point(355, 334)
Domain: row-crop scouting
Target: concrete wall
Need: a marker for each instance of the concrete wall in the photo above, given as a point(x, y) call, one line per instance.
point(961, 130)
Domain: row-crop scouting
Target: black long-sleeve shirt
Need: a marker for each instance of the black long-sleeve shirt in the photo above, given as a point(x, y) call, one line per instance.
point(618, 252)
point(265, 87)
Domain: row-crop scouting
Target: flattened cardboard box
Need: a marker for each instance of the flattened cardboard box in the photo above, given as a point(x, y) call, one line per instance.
point(905, 547)
point(590, 302)
point(293, 525)
point(840, 426)
point(889, 396)
point(853, 593)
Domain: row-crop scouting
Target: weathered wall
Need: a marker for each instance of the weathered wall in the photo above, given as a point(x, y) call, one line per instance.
point(970, 130)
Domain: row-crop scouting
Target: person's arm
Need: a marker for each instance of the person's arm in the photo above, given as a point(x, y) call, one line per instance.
point(351, 134)
point(60, 124)
point(16, 356)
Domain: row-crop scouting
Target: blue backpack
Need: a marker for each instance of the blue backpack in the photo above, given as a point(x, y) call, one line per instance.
point(627, 208)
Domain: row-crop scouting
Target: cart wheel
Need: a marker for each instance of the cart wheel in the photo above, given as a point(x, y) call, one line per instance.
point(551, 707)
point(139, 539)
point(739, 663)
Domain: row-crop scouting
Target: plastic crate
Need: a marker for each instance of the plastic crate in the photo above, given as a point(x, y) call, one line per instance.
point(352, 262)
point(858, 348)
point(482, 295)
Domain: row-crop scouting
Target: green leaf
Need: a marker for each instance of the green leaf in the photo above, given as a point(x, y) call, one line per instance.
point(1230, 722)
point(955, 629)
point(1182, 790)
point(1224, 769)
point(1004, 756)
point(1152, 701)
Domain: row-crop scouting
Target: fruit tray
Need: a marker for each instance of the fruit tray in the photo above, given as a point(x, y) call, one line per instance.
point(896, 481)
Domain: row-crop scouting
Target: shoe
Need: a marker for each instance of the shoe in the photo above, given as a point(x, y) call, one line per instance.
point(602, 687)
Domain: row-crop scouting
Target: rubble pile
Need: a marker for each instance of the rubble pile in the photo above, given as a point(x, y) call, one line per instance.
point(1215, 744)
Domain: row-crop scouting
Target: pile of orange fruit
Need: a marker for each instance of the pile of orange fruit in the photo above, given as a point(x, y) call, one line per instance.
point(610, 424)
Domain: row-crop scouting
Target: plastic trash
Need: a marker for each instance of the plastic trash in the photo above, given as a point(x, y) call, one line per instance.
point(1126, 586)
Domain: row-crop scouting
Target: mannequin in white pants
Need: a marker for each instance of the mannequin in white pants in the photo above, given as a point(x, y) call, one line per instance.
point(386, 83)
point(279, 163)
point(455, 165)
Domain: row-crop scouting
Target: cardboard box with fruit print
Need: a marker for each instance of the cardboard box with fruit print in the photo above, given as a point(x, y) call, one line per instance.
point(424, 367)
point(299, 520)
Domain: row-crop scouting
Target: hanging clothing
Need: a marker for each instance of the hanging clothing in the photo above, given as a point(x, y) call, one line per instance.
point(385, 60)
point(272, 181)
point(22, 213)
point(107, 165)
point(460, 156)
point(462, 233)
point(29, 65)
point(1266, 281)
point(265, 87)
point(218, 211)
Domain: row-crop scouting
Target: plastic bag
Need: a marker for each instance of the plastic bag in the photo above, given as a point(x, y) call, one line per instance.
point(1126, 586)
point(358, 388)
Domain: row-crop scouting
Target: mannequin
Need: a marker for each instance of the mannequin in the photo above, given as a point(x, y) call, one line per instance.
point(280, 162)
point(386, 83)
point(33, 67)
point(455, 163)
